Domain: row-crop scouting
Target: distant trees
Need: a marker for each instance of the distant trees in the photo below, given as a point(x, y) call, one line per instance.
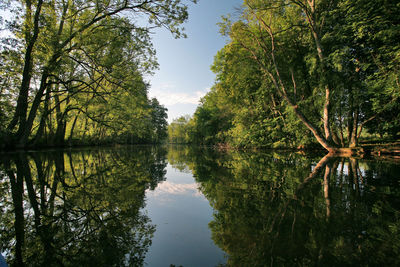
point(179, 130)
point(73, 69)
point(296, 73)
point(158, 121)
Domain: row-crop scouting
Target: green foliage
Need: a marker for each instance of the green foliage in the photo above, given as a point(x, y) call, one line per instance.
point(74, 71)
point(178, 130)
point(212, 119)
point(287, 58)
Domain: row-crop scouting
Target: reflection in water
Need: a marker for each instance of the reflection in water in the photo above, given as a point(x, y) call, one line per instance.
point(85, 208)
point(170, 188)
point(288, 210)
point(77, 208)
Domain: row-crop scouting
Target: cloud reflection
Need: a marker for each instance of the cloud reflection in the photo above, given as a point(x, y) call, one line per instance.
point(167, 188)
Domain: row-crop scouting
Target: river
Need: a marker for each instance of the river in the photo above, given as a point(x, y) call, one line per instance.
point(182, 206)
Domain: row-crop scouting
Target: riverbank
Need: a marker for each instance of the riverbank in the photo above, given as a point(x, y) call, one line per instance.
point(368, 149)
point(382, 150)
point(75, 147)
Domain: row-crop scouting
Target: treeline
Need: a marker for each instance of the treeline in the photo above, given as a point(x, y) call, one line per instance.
point(72, 72)
point(304, 73)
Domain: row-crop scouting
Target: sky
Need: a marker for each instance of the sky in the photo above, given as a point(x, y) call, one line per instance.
point(184, 74)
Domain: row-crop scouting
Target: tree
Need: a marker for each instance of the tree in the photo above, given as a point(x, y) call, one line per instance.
point(179, 130)
point(75, 49)
point(212, 118)
point(159, 122)
point(316, 66)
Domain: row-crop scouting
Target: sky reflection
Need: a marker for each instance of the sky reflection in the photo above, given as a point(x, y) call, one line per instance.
point(181, 214)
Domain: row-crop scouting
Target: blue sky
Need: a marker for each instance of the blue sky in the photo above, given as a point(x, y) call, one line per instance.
point(184, 75)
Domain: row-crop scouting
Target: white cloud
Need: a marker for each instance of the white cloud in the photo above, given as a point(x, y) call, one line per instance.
point(167, 95)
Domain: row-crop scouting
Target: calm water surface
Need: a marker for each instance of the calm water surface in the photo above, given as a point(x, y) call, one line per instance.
point(176, 206)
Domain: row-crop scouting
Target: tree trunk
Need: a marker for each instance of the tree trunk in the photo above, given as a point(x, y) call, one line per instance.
point(335, 137)
point(24, 132)
point(342, 143)
point(327, 105)
point(61, 124)
point(325, 143)
point(350, 117)
point(354, 136)
point(25, 126)
point(22, 101)
point(71, 133)
point(43, 119)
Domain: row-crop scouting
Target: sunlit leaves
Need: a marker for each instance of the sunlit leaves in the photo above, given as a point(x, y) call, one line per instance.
point(82, 56)
point(292, 51)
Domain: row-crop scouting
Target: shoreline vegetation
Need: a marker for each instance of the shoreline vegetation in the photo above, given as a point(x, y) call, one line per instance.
point(389, 149)
point(74, 71)
point(304, 74)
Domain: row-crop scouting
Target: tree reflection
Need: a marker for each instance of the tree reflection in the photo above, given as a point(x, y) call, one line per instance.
point(273, 209)
point(78, 208)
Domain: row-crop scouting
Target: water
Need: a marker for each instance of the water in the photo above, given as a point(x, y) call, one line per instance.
point(181, 213)
point(176, 206)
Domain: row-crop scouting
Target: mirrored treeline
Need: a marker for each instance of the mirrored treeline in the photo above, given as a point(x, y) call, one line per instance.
point(88, 207)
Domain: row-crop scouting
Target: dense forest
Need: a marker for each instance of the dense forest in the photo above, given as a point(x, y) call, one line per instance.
point(315, 73)
point(73, 72)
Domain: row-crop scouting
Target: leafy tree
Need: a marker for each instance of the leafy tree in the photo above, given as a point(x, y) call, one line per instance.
point(300, 72)
point(77, 54)
point(158, 120)
point(211, 119)
point(178, 130)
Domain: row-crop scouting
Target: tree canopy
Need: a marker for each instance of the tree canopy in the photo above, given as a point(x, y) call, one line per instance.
point(301, 73)
point(74, 70)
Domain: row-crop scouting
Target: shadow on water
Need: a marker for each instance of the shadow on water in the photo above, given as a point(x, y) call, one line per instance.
point(78, 208)
point(287, 209)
